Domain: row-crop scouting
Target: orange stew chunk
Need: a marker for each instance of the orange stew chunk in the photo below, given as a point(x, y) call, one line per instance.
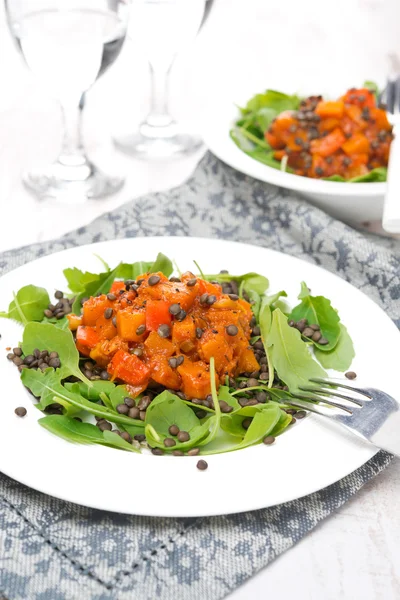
point(348, 137)
point(163, 332)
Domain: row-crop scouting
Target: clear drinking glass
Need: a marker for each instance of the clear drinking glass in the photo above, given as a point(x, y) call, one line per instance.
point(166, 27)
point(67, 44)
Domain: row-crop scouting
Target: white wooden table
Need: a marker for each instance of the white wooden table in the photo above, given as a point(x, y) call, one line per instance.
point(355, 553)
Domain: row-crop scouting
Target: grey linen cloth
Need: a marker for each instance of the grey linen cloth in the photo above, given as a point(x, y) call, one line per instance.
point(54, 550)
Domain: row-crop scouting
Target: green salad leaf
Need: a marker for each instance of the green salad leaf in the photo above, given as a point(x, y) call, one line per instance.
point(376, 175)
point(132, 271)
point(251, 281)
point(28, 305)
point(272, 99)
point(83, 433)
point(48, 385)
point(318, 310)
point(94, 391)
point(262, 153)
point(341, 357)
point(166, 410)
point(47, 337)
point(289, 355)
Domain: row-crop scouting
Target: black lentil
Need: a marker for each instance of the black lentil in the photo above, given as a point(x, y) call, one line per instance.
point(164, 331)
point(350, 375)
point(153, 280)
point(173, 429)
point(174, 309)
point(183, 436)
point(191, 282)
point(232, 330)
point(134, 412)
point(269, 439)
point(122, 409)
point(140, 330)
point(20, 411)
point(202, 465)
point(169, 442)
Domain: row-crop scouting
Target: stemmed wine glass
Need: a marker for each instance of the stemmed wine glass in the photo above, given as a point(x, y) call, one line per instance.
point(67, 44)
point(166, 26)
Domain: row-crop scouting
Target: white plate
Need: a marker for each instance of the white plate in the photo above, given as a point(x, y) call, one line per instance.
point(308, 457)
point(351, 202)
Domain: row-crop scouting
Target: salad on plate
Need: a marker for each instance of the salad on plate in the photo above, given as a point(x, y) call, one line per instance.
point(347, 139)
point(139, 358)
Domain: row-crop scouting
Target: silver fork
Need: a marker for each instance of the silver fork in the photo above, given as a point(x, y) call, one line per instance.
point(367, 412)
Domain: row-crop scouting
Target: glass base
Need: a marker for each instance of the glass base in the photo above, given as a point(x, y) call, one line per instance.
point(71, 183)
point(158, 142)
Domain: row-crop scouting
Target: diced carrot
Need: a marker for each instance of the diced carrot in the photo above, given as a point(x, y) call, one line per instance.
point(328, 144)
point(380, 119)
point(158, 345)
point(357, 144)
point(105, 328)
point(87, 336)
point(354, 112)
point(129, 368)
point(157, 313)
point(196, 382)
point(361, 97)
point(128, 323)
point(328, 124)
point(94, 308)
point(74, 321)
point(273, 140)
point(117, 286)
point(218, 347)
point(279, 154)
point(247, 362)
point(163, 374)
point(183, 331)
point(330, 109)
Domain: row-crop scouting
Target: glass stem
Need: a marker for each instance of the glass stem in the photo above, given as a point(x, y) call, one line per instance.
point(159, 110)
point(72, 151)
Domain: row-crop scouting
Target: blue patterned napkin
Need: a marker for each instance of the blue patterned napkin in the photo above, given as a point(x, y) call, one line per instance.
point(54, 550)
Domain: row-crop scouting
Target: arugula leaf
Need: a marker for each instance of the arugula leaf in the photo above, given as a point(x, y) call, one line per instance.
point(262, 424)
point(28, 305)
point(282, 424)
point(47, 337)
point(42, 386)
point(290, 355)
point(272, 99)
point(264, 155)
point(251, 281)
point(83, 433)
point(118, 394)
point(265, 322)
point(214, 421)
point(379, 174)
point(49, 384)
point(78, 280)
point(225, 395)
point(163, 264)
point(372, 86)
point(132, 271)
point(96, 287)
point(318, 310)
point(166, 410)
point(341, 357)
point(91, 392)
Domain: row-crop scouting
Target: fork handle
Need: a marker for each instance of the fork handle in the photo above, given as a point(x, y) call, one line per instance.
point(391, 208)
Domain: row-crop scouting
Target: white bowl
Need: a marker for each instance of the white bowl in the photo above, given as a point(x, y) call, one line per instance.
point(350, 202)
